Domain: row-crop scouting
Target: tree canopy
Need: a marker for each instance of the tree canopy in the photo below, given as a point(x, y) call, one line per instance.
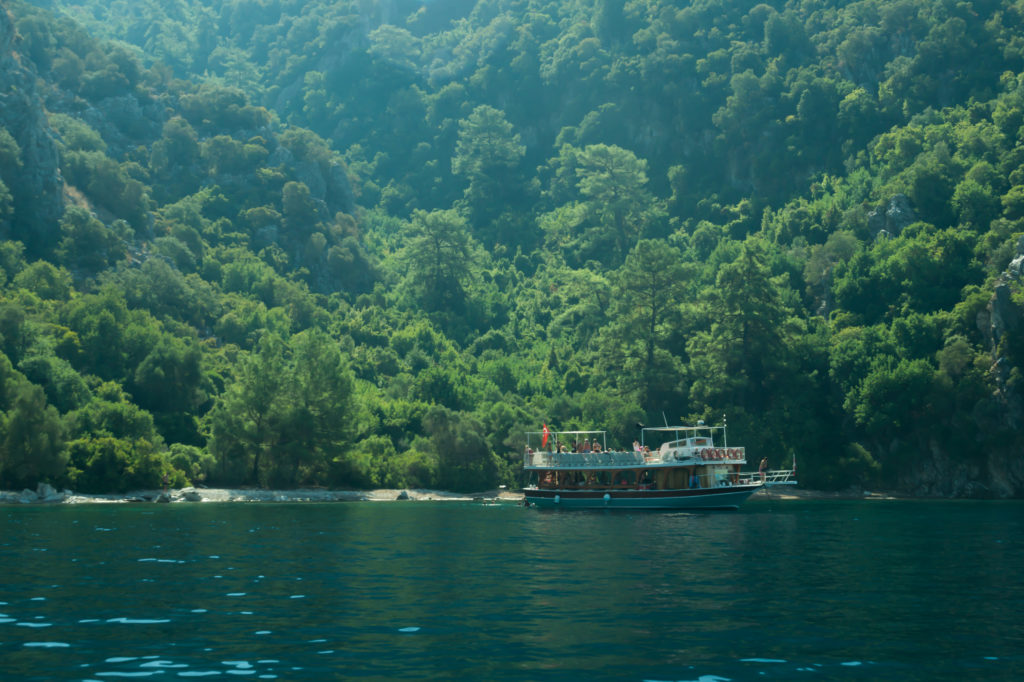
point(282, 243)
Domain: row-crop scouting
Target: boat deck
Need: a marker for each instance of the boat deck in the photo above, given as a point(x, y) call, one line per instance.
point(625, 460)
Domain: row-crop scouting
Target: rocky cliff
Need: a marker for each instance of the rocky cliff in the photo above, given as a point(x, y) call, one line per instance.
point(995, 468)
point(36, 186)
point(1005, 470)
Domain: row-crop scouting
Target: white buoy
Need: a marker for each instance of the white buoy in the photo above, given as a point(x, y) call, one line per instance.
point(607, 498)
point(558, 498)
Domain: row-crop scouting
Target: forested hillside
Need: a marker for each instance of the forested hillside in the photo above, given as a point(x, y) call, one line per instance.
point(371, 242)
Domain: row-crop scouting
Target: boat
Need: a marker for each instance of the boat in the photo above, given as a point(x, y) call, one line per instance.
point(688, 467)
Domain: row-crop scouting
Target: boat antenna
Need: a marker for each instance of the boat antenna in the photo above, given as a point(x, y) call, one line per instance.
point(663, 418)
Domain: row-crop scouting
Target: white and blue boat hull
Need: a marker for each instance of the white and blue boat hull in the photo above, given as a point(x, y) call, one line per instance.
point(726, 497)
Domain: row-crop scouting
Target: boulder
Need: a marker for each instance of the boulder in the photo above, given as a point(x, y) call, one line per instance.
point(191, 495)
point(404, 495)
point(47, 493)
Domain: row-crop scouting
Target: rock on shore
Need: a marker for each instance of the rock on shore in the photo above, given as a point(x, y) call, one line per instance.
point(44, 493)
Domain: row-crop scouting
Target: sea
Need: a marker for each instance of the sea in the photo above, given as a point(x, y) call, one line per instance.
point(425, 590)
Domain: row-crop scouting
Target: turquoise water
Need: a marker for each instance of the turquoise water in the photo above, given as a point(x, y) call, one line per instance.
point(780, 590)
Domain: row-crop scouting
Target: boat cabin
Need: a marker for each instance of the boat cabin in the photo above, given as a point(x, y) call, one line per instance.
point(682, 458)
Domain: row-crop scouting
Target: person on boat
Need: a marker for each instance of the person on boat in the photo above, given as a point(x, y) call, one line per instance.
point(694, 480)
point(586, 445)
point(636, 446)
point(762, 468)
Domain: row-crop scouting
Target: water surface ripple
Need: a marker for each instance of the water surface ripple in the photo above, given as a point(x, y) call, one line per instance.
point(874, 590)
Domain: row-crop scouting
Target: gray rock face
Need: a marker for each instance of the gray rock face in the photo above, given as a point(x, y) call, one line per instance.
point(1004, 316)
point(893, 217)
point(37, 186)
point(328, 183)
point(1015, 270)
point(124, 120)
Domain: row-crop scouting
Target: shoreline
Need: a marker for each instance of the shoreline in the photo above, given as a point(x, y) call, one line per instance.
point(46, 494)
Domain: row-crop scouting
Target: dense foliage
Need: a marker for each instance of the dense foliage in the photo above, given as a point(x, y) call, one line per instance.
point(372, 243)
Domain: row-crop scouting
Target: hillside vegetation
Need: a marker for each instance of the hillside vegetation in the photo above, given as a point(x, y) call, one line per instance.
point(370, 243)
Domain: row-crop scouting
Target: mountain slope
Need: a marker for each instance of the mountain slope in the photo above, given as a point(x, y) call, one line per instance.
point(372, 243)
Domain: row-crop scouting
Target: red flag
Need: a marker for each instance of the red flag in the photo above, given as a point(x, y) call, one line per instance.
point(544, 438)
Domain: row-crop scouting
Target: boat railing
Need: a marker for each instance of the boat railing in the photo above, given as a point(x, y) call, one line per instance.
point(556, 460)
point(770, 478)
point(780, 477)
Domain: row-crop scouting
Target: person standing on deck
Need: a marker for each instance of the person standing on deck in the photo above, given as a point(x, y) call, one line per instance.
point(762, 468)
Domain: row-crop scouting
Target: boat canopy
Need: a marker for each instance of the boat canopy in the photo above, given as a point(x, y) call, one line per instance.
point(647, 433)
point(682, 432)
point(554, 437)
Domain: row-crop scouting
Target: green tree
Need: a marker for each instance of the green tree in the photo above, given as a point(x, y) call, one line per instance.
point(898, 405)
point(45, 281)
point(65, 388)
point(33, 439)
point(300, 211)
point(464, 462)
point(739, 359)
point(439, 255)
point(318, 424)
point(612, 183)
point(244, 421)
point(488, 155)
point(31, 433)
point(168, 383)
point(288, 416)
point(648, 293)
point(86, 243)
